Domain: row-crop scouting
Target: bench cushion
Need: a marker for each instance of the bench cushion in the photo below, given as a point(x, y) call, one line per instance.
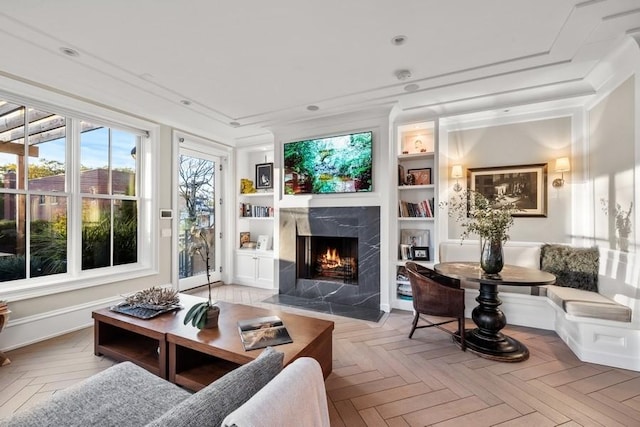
point(573, 267)
point(588, 304)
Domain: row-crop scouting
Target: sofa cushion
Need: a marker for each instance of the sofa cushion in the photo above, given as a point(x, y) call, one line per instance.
point(573, 267)
point(212, 404)
point(588, 304)
point(124, 394)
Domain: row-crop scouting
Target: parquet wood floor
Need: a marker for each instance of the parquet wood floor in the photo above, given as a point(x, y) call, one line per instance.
point(382, 378)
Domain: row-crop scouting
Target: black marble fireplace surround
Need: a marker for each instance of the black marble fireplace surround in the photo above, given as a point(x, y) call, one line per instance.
point(363, 223)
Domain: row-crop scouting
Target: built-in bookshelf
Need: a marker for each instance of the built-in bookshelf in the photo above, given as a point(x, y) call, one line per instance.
point(255, 218)
point(416, 215)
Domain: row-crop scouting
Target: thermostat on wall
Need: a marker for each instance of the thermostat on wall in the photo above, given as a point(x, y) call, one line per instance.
point(166, 214)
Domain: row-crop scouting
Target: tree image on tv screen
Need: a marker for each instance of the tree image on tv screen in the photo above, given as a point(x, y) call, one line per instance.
point(339, 164)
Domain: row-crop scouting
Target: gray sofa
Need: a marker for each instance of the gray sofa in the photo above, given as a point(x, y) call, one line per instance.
point(127, 395)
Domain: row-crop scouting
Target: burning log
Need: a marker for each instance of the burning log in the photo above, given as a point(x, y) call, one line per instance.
point(330, 264)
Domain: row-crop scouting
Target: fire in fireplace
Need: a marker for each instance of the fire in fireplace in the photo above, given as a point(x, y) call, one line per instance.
point(328, 258)
point(331, 264)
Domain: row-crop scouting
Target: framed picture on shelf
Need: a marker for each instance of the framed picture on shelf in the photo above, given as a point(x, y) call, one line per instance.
point(524, 185)
point(245, 237)
point(264, 243)
point(405, 251)
point(264, 175)
point(417, 143)
point(414, 237)
point(421, 176)
point(420, 253)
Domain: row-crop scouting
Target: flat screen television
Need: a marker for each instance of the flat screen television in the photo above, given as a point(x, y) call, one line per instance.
point(336, 164)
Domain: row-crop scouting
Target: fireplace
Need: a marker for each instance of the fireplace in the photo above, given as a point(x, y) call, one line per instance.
point(308, 269)
point(327, 258)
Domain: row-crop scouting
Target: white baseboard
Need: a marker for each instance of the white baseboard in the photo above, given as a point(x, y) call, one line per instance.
point(31, 329)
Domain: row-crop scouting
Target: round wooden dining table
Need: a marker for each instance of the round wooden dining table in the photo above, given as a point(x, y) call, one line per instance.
point(486, 340)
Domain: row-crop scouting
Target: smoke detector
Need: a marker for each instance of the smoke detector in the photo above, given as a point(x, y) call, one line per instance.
point(403, 75)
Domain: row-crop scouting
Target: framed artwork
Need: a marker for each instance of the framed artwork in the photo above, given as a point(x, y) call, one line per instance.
point(405, 251)
point(420, 253)
point(417, 143)
point(414, 237)
point(264, 243)
point(245, 237)
point(421, 176)
point(401, 175)
point(264, 175)
point(524, 185)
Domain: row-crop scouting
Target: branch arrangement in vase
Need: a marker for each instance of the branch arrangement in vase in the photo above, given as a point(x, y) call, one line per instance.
point(488, 218)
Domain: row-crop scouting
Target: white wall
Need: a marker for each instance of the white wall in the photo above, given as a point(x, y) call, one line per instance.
point(612, 171)
point(511, 141)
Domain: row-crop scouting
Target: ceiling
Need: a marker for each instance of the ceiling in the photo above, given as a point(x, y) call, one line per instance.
point(248, 67)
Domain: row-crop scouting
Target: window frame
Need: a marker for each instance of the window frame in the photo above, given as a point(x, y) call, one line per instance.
point(76, 111)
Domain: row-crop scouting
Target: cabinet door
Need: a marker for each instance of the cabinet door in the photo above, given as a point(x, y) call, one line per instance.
point(265, 270)
point(245, 268)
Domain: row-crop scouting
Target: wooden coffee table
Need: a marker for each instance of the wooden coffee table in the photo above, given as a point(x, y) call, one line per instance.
point(194, 358)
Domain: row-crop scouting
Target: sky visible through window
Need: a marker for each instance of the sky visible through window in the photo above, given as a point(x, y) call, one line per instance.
point(93, 150)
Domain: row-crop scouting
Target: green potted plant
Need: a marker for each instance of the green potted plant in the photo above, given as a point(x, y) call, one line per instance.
point(489, 219)
point(203, 315)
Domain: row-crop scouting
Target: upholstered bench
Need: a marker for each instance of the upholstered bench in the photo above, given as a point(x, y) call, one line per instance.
point(595, 312)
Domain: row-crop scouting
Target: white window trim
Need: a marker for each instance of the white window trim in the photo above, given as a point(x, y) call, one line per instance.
point(148, 262)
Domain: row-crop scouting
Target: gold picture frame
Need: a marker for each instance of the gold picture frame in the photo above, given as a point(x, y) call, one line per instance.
point(524, 185)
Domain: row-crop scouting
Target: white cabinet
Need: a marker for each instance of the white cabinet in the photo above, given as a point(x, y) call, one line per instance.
point(414, 229)
point(254, 268)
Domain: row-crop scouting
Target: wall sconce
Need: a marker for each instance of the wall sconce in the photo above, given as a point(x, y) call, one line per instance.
point(562, 166)
point(456, 172)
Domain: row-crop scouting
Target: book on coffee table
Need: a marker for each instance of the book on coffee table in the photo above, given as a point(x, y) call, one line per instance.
point(263, 332)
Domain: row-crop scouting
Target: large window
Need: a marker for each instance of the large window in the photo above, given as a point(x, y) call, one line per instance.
point(69, 199)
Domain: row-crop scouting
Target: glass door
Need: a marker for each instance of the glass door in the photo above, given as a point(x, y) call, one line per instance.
point(199, 240)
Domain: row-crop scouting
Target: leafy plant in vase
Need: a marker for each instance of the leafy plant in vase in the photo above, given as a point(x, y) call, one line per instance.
point(489, 219)
point(203, 315)
point(622, 222)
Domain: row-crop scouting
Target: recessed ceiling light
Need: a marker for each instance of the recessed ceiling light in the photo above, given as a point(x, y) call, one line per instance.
point(398, 40)
point(313, 107)
point(69, 51)
point(234, 124)
point(411, 87)
point(185, 102)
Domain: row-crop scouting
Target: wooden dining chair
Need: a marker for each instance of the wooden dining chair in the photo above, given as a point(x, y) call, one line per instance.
point(436, 295)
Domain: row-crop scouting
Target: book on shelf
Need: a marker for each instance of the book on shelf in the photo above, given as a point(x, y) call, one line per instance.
point(423, 209)
point(249, 210)
point(262, 332)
